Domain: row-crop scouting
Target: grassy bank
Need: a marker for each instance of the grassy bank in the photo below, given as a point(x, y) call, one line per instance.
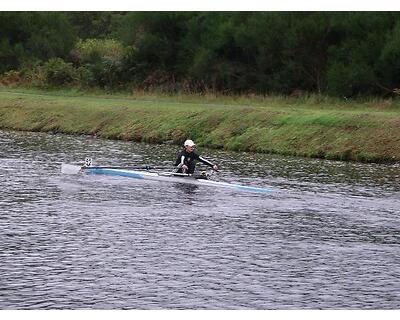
point(311, 126)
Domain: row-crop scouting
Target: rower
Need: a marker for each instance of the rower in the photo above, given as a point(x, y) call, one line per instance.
point(186, 159)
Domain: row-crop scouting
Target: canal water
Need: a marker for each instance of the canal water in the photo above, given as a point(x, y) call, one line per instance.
point(328, 237)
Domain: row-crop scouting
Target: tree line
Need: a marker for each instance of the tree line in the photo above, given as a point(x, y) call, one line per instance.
point(335, 53)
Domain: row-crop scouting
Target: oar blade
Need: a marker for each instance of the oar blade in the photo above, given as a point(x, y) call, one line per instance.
point(70, 168)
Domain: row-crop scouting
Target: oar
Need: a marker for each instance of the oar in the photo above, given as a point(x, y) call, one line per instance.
point(122, 167)
point(74, 169)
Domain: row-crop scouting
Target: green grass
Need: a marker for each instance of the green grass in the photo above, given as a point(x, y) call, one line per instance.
point(311, 101)
point(309, 126)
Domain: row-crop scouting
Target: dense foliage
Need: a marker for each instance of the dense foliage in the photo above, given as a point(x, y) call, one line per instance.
point(337, 53)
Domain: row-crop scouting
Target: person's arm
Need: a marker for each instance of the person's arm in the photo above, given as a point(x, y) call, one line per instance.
point(209, 163)
point(180, 163)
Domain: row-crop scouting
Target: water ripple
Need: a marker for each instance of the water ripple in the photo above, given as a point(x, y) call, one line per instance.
point(329, 239)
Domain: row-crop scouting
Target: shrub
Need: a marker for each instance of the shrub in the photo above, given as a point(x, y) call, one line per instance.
point(10, 78)
point(89, 49)
point(85, 76)
point(99, 62)
point(58, 72)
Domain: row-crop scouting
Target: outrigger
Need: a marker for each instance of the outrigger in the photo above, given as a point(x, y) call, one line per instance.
point(150, 174)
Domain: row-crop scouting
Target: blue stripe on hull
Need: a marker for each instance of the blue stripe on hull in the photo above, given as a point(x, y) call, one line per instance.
point(116, 173)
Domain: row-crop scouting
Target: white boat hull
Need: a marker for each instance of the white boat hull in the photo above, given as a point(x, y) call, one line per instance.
point(158, 176)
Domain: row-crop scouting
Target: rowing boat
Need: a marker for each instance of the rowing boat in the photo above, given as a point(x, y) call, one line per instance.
point(149, 174)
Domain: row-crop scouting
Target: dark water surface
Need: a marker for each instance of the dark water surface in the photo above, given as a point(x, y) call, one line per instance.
point(329, 238)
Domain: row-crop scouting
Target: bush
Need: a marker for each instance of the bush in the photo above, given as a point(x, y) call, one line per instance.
point(99, 62)
point(105, 49)
point(10, 78)
point(85, 77)
point(350, 80)
point(57, 72)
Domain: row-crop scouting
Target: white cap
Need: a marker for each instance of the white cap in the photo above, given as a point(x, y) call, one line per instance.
point(189, 143)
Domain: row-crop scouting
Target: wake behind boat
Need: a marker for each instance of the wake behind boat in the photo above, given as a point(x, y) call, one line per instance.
point(149, 173)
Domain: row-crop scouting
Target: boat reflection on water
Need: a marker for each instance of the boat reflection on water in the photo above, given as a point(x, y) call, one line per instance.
point(188, 189)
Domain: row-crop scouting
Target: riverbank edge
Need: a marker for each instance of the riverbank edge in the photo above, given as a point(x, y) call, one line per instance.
point(325, 131)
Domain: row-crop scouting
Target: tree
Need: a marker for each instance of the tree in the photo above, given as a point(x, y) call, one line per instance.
point(92, 24)
point(154, 40)
point(353, 67)
point(31, 36)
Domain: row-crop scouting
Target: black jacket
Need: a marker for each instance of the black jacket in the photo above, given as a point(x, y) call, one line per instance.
point(189, 159)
